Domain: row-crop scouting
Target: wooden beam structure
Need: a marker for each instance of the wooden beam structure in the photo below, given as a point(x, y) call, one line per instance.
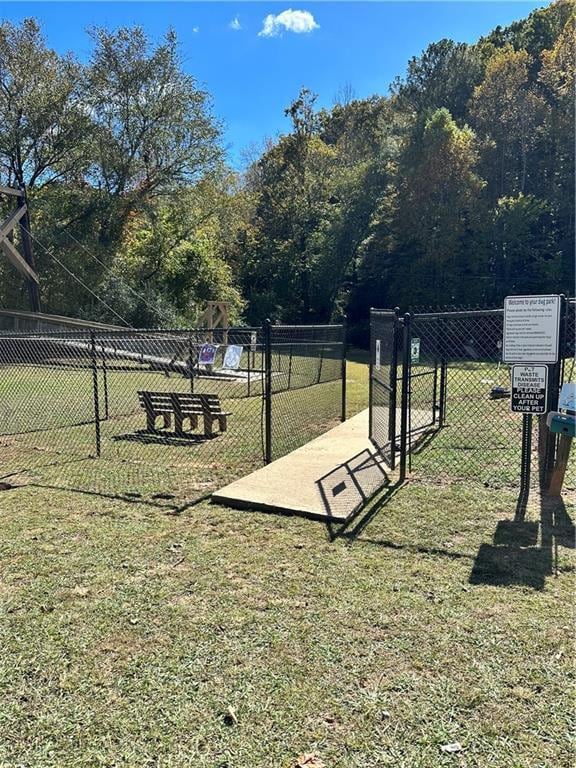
point(23, 262)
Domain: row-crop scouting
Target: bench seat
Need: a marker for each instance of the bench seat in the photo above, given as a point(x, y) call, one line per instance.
point(183, 405)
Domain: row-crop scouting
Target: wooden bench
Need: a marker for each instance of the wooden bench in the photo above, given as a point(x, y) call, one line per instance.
point(184, 405)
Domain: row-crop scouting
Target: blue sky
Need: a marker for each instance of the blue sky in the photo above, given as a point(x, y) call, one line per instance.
point(252, 77)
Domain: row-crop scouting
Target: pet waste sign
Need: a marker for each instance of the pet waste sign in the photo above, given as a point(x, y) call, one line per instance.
point(529, 388)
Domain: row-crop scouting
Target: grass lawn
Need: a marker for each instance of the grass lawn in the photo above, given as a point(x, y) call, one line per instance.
point(132, 636)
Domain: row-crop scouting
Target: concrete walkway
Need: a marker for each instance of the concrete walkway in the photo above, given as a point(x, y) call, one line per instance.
point(329, 478)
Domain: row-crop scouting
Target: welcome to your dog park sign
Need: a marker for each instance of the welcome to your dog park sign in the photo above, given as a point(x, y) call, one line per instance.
point(531, 329)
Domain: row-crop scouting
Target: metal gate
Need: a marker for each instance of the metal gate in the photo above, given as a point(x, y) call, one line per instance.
point(385, 351)
point(407, 384)
point(439, 396)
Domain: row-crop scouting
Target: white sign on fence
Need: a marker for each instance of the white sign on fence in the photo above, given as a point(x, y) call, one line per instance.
point(531, 329)
point(377, 364)
point(415, 350)
point(529, 388)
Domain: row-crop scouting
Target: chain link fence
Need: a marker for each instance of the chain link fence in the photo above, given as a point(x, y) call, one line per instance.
point(455, 397)
point(163, 416)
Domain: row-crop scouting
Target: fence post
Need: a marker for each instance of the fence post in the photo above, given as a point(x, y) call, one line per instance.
point(250, 353)
point(526, 459)
point(105, 373)
point(267, 332)
point(443, 377)
point(393, 376)
point(547, 442)
point(343, 367)
point(405, 397)
point(95, 391)
point(370, 373)
point(190, 365)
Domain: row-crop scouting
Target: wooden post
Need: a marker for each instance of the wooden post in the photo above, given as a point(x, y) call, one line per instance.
point(33, 292)
point(562, 455)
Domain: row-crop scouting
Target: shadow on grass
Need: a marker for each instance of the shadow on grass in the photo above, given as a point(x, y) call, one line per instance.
point(157, 501)
point(166, 438)
point(347, 488)
point(514, 557)
point(57, 463)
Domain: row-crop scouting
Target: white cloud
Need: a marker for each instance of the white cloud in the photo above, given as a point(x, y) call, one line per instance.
point(235, 24)
point(195, 30)
point(289, 21)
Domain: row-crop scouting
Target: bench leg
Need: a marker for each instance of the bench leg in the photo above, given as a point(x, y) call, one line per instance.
point(223, 423)
point(193, 422)
point(207, 425)
point(178, 424)
point(167, 420)
point(150, 421)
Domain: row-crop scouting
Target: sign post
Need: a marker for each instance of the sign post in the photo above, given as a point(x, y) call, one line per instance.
point(532, 327)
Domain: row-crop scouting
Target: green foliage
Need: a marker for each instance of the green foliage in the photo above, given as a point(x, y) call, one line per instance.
point(456, 189)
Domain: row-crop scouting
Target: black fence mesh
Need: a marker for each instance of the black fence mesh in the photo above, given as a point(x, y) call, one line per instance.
point(164, 416)
point(480, 438)
point(306, 383)
point(459, 422)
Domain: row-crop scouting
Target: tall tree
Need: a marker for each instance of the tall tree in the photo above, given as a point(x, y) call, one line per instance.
point(154, 130)
point(43, 122)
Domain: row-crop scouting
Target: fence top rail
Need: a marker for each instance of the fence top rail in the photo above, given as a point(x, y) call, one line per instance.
point(153, 333)
point(458, 314)
point(311, 325)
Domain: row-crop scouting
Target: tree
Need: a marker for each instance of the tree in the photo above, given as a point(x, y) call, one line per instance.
point(444, 76)
point(439, 208)
point(43, 123)
point(153, 126)
point(507, 109)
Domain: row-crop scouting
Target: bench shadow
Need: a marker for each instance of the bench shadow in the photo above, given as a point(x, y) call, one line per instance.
point(166, 438)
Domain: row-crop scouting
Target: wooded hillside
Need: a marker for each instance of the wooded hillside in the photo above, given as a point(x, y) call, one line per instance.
point(454, 189)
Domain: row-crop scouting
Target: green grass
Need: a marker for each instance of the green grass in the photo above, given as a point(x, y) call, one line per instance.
point(57, 450)
point(127, 632)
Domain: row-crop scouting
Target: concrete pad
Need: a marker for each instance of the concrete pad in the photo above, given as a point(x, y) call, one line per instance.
point(329, 478)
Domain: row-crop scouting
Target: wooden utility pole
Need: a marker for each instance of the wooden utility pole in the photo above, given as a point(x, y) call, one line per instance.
point(24, 263)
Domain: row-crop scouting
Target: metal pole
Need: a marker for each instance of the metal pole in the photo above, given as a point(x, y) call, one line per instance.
point(547, 441)
point(249, 366)
point(393, 376)
point(95, 393)
point(190, 364)
point(267, 331)
point(343, 367)
point(105, 372)
point(371, 373)
point(526, 458)
point(405, 394)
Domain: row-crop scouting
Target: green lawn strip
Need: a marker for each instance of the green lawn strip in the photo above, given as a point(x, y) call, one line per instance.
point(127, 633)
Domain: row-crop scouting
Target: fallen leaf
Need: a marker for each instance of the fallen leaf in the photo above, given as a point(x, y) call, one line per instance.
point(309, 761)
point(455, 747)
